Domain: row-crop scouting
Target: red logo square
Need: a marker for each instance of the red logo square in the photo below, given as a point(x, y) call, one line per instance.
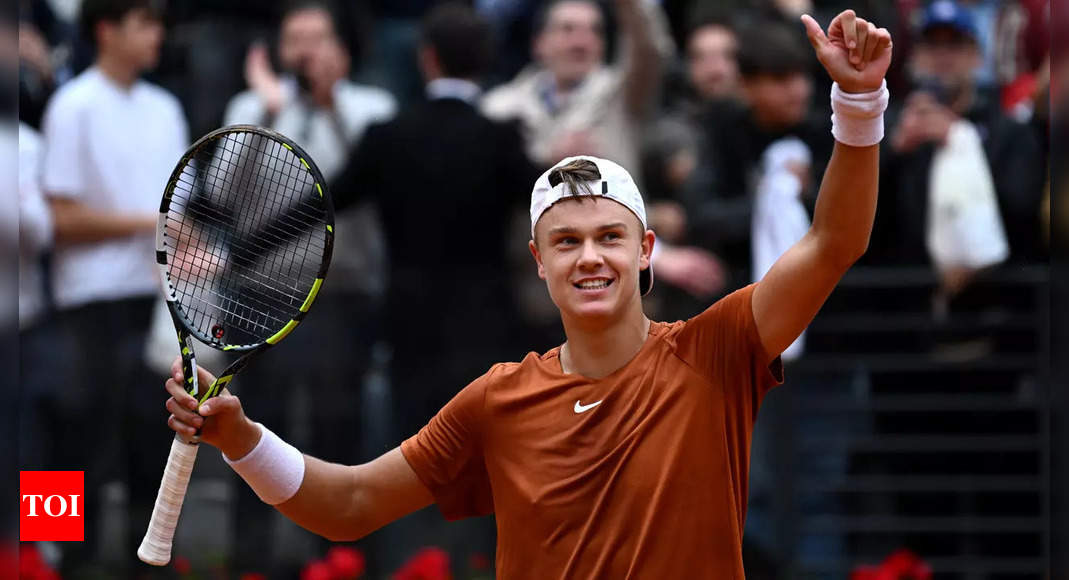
point(52, 506)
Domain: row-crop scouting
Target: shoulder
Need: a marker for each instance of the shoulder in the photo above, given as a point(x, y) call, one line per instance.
point(76, 94)
point(158, 96)
point(374, 98)
point(725, 316)
point(505, 99)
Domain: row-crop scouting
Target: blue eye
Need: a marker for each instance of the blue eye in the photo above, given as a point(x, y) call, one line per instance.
point(611, 236)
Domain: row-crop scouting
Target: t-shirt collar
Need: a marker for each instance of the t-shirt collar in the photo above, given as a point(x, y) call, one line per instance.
point(453, 88)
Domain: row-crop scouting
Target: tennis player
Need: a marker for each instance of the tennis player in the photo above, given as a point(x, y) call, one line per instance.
point(623, 453)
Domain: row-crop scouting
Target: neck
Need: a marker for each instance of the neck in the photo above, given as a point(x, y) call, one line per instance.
point(598, 351)
point(117, 71)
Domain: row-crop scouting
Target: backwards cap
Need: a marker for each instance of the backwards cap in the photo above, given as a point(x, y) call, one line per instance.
point(615, 183)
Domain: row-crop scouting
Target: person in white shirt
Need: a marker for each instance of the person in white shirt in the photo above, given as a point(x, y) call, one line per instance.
point(110, 143)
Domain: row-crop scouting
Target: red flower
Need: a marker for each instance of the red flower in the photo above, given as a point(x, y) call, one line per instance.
point(346, 562)
point(318, 570)
point(32, 566)
point(427, 564)
point(901, 565)
point(181, 565)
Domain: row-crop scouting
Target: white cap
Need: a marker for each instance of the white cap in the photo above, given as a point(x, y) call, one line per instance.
point(615, 183)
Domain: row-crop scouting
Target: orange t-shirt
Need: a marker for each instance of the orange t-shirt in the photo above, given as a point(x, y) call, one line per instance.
point(641, 474)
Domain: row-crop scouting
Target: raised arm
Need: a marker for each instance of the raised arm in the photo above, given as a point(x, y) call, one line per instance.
point(856, 55)
point(646, 43)
point(338, 502)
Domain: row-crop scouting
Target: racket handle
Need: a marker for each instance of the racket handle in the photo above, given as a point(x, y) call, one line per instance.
point(156, 547)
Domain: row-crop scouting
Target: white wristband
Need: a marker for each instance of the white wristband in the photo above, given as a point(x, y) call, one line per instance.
point(857, 118)
point(273, 469)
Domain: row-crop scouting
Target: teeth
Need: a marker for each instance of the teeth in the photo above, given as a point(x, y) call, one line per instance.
point(594, 284)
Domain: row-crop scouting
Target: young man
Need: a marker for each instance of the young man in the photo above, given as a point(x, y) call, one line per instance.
point(110, 143)
point(624, 452)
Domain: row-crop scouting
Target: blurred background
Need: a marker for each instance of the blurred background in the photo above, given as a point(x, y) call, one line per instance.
point(912, 438)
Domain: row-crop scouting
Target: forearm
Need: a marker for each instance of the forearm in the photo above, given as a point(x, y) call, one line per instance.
point(327, 502)
point(74, 223)
point(643, 59)
point(846, 206)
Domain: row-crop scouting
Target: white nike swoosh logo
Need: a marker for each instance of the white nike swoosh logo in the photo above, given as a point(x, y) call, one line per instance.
point(581, 408)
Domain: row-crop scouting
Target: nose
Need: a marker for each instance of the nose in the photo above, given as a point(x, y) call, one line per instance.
point(589, 258)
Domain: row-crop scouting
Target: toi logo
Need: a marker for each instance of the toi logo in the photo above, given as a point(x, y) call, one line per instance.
point(52, 504)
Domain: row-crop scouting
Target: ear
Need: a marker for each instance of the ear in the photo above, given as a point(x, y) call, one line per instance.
point(648, 241)
point(538, 259)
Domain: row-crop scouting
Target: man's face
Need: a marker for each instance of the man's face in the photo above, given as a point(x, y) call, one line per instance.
point(711, 62)
point(572, 43)
point(948, 55)
point(589, 251)
point(136, 39)
point(779, 101)
point(302, 34)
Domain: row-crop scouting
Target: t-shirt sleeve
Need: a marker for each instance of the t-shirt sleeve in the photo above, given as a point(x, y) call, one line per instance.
point(723, 344)
point(447, 455)
point(64, 139)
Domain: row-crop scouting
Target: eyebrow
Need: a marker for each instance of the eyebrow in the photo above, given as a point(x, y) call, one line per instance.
point(570, 230)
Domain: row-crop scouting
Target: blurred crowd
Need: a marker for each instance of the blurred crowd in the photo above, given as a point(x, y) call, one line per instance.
point(431, 121)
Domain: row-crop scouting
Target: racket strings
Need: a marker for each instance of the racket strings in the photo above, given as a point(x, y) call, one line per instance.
point(245, 237)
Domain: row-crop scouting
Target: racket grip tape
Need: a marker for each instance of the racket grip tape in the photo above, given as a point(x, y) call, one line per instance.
point(156, 546)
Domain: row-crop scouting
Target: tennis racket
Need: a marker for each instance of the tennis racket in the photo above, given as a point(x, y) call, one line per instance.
point(244, 239)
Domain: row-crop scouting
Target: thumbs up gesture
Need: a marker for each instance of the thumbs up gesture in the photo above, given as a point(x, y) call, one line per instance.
point(854, 51)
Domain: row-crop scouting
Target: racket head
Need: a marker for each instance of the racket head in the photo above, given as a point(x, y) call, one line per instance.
point(244, 237)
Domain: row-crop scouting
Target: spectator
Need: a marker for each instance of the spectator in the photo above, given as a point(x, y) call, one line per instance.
point(569, 101)
point(443, 171)
point(712, 65)
point(775, 105)
point(943, 64)
point(314, 102)
point(110, 143)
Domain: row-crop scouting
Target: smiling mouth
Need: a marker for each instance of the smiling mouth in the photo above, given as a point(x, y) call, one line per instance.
point(593, 284)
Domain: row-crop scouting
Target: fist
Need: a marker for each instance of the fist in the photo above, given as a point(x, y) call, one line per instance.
point(855, 52)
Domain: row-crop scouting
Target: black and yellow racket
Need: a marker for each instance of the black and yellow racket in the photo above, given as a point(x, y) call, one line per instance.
point(245, 235)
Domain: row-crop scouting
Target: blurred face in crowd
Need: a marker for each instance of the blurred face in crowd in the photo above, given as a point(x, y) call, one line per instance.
point(778, 101)
point(572, 43)
point(304, 34)
point(134, 40)
point(589, 251)
point(948, 55)
point(711, 63)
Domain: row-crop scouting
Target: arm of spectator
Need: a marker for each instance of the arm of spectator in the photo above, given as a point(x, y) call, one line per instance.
point(77, 223)
point(785, 301)
point(262, 79)
point(647, 45)
point(694, 270)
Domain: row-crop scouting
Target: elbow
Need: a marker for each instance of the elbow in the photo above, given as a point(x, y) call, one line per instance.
point(844, 253)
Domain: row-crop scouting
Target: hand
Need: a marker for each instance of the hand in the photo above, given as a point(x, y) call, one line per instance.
point(221, 420)
point(694, 270)
point(572, 144)
point(262, 79)
point(855, 53)
point(33, 49)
